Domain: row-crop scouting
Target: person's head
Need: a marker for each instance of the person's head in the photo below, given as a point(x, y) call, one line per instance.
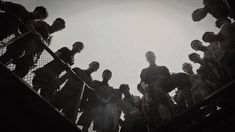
point(40, 13)
point(150, 57)
point(220, 22)
point(107, 74)
point(94, 66)
point(196, 45)
point(194, 57)
point(77, 47)
point(124, 88)
point(187, 67)
point(58, 25)
point(199, 14)
point(209, 37)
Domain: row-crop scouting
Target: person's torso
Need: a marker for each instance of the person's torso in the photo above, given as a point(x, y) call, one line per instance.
point(153, 74)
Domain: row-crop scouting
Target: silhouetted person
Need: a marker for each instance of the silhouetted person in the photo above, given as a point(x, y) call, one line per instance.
point(216, 8)
point(9, 24)
point(68, 97)
point(206, 71)
point(26, 51)
point(96, 110)
point(134, 120)
point(227, 41)
point(199, 89)
point(154, 78)
point(46, 76)
point(211, 52)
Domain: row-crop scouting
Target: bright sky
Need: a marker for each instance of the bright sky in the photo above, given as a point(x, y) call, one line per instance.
point(117, 33)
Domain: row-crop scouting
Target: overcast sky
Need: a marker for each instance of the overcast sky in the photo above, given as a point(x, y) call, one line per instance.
point(117, 33)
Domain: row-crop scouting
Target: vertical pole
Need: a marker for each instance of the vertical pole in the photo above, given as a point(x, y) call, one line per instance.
point(81, 95)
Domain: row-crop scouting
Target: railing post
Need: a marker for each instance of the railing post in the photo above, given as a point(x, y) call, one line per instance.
point(80, 96)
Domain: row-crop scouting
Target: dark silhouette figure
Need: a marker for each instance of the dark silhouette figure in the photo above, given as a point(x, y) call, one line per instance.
point(154, 78)
point(134, 120)
point(26, 51)
point(227, 41)
point(206, 71)
point(68, 97)
point(45, 77)
point(96, 109)
point(216, 8)
point(9, 23)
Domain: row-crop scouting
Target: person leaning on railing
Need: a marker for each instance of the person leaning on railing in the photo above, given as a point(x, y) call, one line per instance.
point(26, 51)
point(12, 11)
point(45, 77)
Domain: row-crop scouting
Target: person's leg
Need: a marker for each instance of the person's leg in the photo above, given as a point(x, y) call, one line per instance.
point(69, 108)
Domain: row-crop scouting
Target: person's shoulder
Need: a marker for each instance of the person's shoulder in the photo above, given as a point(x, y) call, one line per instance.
point(76, 69)
point(116, 92)
point(41, 23)
point(145, 69)
point(64, 50)
point(96, 82)
point(163, 68)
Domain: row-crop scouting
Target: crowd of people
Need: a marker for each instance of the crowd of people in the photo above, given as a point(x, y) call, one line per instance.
point(102, 104)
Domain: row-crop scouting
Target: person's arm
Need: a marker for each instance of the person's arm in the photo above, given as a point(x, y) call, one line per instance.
point(62, 79)
point(166, 72)
point(143, 84)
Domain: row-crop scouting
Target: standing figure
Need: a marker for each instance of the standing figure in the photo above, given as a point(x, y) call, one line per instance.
point(155, 78)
